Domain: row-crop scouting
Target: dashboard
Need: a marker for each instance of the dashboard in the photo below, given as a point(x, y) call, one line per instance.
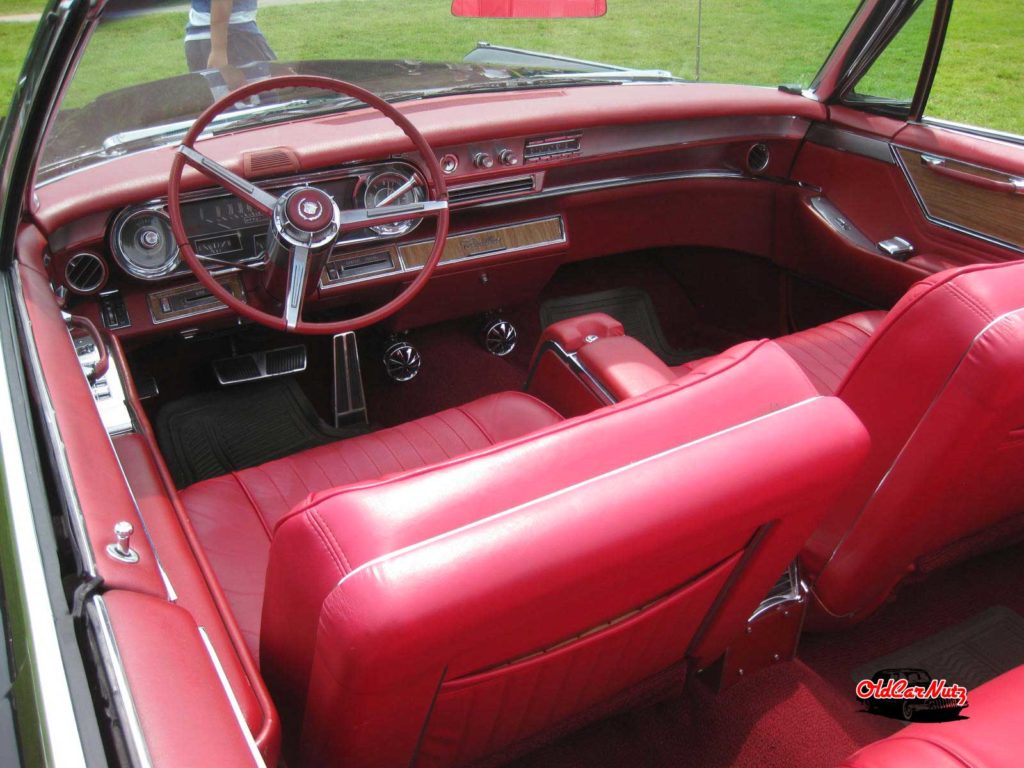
point(521, 204)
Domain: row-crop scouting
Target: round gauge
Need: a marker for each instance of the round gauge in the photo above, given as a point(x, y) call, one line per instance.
point(142, 243)
point(393, 188)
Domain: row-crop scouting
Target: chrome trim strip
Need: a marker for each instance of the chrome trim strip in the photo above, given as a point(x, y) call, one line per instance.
point(572, 360)
point(58, 727)
point(568, 489)
point(847, 141)
point(49, 419)
point(628, 181)
point(257, 758)
point(120, 692)
point(959, 229)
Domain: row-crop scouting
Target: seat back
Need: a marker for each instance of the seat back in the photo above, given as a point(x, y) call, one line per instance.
point(446, 614)
point(940, 388)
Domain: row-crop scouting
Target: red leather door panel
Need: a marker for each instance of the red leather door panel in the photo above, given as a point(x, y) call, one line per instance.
point(859, 164)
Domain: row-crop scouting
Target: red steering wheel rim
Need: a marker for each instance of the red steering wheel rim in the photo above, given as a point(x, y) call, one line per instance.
point(436, 190)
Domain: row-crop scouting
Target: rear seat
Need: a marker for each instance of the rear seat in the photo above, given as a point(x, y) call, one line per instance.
point(990, 736)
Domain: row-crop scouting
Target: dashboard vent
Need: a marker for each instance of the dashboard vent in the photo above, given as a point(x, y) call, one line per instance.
point(551, 147)
point(265, 162)
point(85, 273)
point(758, 157)
point(490, 190)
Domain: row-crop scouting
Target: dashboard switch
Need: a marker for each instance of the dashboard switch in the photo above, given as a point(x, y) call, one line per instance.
point(449, 163)
point(508, 157)
point(483, 160)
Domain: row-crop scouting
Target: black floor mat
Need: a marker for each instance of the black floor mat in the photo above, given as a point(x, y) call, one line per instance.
point(630, 306)
point(212, 433)
point(968, 654)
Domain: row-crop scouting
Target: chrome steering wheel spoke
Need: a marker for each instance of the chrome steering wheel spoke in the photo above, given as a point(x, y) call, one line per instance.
point(295, 292)
point(255, 196)
point(360, 218)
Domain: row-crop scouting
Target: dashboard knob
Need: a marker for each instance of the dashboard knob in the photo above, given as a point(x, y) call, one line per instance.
point(449, 163)
point(508, 157)
point(483, 160)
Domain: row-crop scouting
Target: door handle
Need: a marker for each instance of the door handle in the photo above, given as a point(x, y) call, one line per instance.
point(1012, 185)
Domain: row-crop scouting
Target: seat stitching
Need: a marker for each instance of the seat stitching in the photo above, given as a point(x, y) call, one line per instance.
point(428, 433)
point(948, 750)
point(330, 534)
point(314, 524)
point(377, 436)
point(487, 435)
point(442, 419)
point(312, 457)
point(971, 303)
point(252, 502)
point(359, 445)
point(273, 482)
point(400, 431)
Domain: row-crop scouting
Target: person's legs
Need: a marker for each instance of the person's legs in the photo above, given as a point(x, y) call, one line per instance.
point(243, 48)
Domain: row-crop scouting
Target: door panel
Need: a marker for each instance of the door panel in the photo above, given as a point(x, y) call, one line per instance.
point(959, 206)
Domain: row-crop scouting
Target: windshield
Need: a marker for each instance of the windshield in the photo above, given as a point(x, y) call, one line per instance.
point(151, 67)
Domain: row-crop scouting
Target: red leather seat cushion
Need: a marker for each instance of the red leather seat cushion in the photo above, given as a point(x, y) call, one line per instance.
point(826, 352)
point(989, 736)
point(234, 515)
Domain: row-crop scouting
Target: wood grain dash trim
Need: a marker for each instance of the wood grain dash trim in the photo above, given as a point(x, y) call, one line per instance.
point(488, 242)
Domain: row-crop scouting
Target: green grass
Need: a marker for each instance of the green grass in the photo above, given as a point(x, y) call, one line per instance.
point(980, 80)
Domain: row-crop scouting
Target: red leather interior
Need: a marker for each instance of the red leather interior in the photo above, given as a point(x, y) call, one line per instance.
point(827, 352)
point(572, 333)
point(378, 593)
point(624, 366)
point(939, 389)
point(183, 708)
point(988, 737)
point(238, 543)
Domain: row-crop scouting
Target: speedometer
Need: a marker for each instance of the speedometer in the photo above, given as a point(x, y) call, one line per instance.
point(143, 245)
point(392, 188)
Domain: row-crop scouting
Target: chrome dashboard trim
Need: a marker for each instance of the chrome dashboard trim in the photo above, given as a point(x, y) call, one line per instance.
point(629, 181)
point(120, 692)
point(76, 518)
point(959, 229)
point(114, 243)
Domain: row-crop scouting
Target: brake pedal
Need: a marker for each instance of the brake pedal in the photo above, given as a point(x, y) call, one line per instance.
point(253, 366)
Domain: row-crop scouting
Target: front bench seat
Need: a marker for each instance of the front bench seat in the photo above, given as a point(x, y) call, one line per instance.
point(462, 610)
point(234, 515)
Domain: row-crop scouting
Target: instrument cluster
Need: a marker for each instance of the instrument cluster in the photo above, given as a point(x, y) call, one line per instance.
point(225, 231)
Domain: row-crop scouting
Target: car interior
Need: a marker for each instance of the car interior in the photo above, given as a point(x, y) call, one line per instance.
point(555, 427)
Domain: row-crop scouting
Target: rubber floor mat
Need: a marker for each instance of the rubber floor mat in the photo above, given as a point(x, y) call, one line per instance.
point(969, 654)
point(630, 306)
point(213, 433)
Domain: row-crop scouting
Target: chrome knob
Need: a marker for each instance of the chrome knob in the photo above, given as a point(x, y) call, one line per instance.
point(499, 337)
point(483, 160)
point(508, 157)
point(121, 549)
point(449, 163)
point(402, 361)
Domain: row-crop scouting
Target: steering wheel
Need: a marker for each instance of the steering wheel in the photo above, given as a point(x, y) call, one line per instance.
point(305, 222)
